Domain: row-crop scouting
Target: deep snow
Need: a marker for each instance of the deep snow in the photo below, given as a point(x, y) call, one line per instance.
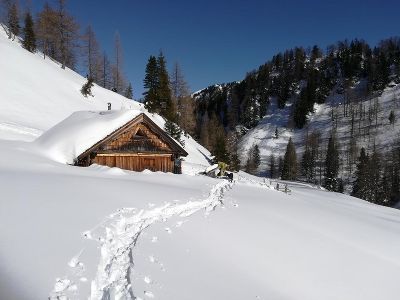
point(91, 232)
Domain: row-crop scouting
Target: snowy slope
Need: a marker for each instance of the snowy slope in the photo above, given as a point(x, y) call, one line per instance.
point(104, 233)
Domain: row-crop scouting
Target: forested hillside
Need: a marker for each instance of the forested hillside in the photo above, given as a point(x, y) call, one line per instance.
point(331, 103)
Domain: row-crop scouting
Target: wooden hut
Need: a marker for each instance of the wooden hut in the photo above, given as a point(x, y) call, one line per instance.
point(138, 145)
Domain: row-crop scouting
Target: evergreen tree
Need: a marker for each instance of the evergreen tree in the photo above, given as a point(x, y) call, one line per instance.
point(29, 42)
point(276, 133)
point(253, 160)
point(374, 178)
point(219, 149)
point(307, 162)
point(151, 84)
point(280, 166)
point(385, 184)
point(392, 117)
point(86, 89)
point(174, 131)
point(289, 168)
point(129, 91)
point(256, 156)
point(272, 167)
point(234, 161)
point(167, 108)
point(360, 186)
point(331, 164)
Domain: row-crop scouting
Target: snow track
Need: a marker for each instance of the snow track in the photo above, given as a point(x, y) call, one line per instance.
point(122, 232)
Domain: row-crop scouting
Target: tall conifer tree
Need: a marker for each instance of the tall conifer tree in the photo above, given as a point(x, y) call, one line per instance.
point(29, 42)
point(289, 168)
point(167, 109)
point(151, 84)
point(331, 164)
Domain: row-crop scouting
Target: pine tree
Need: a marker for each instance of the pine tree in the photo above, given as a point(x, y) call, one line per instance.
point(219, 149)
point(280, 166)
point(253, 160)
point(289, 168)
point(360, 186)
point(392, 117)
point(129, 91)
point(331, 164)
point(86, 89)
point(256, 156)
point(29, 42)
point(385, 184)
point(174, 131)
point(374, 177)
point(151, 84)
point(234, 161)
point(307, 165)
point(276, 133)
point(272, 167)
point(167, 107)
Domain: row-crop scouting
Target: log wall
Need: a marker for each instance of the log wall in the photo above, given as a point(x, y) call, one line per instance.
point(136, 162)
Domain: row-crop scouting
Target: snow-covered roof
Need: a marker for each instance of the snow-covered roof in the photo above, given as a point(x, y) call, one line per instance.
point(71, 137)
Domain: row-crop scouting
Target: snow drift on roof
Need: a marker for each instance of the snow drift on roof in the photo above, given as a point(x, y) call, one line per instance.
point(68, 139)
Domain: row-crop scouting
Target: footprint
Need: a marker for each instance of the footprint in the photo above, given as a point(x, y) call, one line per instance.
point(167, 229)
point(147, 279)
point(154, 239)
point(148, 294)
point(87, 235)
point(180, 223)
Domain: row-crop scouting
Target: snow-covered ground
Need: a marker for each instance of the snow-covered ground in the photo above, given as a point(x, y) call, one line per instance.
point(105, 233)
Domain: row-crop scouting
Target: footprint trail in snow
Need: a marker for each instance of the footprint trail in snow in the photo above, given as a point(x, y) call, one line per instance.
point(122, 231)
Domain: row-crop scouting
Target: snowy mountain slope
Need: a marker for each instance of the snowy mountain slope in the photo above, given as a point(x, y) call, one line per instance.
point(382, 136)
point(36, 94)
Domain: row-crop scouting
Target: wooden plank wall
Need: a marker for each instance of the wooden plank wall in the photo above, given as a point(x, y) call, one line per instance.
point(137, 162)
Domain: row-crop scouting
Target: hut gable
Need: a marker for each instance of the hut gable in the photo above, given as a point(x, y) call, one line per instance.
point(138, 138)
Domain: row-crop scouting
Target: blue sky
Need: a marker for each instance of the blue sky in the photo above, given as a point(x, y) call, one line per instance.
point(219, 41)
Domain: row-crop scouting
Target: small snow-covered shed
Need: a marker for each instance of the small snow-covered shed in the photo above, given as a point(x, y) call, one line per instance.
point(127, 139)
